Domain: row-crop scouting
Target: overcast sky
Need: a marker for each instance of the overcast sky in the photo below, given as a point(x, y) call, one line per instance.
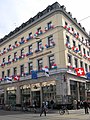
point(14, 12)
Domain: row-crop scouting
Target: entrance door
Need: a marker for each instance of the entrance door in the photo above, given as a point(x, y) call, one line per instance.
point(36, 97)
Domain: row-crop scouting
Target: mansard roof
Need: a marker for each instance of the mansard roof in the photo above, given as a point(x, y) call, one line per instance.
point(40, 15)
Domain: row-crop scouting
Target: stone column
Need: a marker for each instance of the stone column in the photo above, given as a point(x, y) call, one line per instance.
point(78, 92)
point(41, 93)
point(18, 95)
point(5, 96)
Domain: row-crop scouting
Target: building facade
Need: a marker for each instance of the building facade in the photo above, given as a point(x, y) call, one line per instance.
point(54, 40)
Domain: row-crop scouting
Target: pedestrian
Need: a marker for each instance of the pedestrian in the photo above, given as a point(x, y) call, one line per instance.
point(34, 106)
point(52, 104)
point(86, 106)
point(43, 109)
point(75, 104)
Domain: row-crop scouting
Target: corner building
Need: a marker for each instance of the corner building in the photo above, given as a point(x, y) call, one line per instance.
point(52, 39)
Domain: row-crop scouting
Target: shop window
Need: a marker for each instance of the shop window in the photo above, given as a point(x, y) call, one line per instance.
point(15, 70)
point(51, 61)
point(8, 72)
point(30, 66)
point(40, 64)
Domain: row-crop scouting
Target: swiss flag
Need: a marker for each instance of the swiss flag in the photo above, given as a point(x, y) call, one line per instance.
point(17, 78)
point(80, 71)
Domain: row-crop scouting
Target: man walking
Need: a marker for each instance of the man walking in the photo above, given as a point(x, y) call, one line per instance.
point(85, 104)
point(43, 109)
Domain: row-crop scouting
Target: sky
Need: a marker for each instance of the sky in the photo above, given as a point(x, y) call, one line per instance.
point(15, 12)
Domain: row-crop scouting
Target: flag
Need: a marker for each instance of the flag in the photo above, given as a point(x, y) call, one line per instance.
point(80, 71)
point(88, 75)
point(17, 77)
point(8, 79)
point(46, 70)
point(34, 74)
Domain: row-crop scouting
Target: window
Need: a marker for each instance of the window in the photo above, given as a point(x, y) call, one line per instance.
point(86, 69)
point(9, 57)
point(3, 74)
point(15, 55)
point(40, 45)
point(40, 64)
point(22, 69)
point(70, 59)
point(51, 61)
point(22, 39)
point(49, 25)
point(50, 40)
point(30, 34)
point(84, 51)
point(81, 64)
point(15, 42)
point(22, 51)
point(30, 66)
point(15, 70)
point(66, 23)
point(3, 60)
point(88, 53)
point(89, 68)
point(79, 46)
point(8, 72)
point(30, 48)
point(39, 29)
point(76, 62)
point(74, 44)
point(67, 39)
point(9, 46)
point(72, 29)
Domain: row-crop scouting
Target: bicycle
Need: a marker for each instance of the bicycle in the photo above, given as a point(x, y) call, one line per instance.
point(63, 110)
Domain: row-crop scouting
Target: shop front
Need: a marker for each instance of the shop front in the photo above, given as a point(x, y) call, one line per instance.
point(11, 95)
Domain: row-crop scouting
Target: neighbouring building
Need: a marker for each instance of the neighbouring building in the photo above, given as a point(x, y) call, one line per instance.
point(52, 40)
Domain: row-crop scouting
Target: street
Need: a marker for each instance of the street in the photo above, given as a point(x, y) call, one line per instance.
point(17, 115)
